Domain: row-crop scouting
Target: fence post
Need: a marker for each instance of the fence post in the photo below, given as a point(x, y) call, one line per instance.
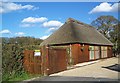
point(44, 59)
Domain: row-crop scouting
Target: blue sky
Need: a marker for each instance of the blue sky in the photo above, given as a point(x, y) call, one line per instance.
point(40, 19)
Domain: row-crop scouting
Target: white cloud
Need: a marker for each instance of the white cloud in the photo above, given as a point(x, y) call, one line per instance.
point(52, 29)
point(5, 31)
point(34, 20)
point(105, 7)
point(116, 7)
point(26, 25)
point(20, 33)
point(52, 23)
point(9, 6)
point(44, 37)
point(43, 22)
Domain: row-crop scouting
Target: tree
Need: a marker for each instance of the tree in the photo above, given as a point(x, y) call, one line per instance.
point(105, 24)
point(109, 26)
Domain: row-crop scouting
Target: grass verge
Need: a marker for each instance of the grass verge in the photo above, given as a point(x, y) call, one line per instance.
point(23, 76)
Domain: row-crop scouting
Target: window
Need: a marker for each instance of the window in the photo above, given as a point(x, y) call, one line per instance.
point(91, 52)
point(94, 52)
point(103, 51)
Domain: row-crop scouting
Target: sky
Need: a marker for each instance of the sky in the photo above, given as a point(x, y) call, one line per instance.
point(41, 19)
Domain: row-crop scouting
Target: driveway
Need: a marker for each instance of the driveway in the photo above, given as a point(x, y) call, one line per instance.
point(100, 70)
point(97, 70)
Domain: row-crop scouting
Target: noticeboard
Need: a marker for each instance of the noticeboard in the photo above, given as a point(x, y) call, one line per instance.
point(37, 53)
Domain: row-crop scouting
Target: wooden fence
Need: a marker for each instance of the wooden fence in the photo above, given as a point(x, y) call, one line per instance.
point(32, 64)
point(51, 61)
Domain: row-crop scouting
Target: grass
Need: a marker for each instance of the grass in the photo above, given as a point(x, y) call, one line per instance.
point(23, 76)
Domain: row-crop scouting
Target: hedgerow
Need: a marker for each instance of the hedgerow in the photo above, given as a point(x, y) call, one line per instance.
point(12, 59)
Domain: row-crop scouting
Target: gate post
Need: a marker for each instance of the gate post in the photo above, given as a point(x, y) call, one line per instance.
point(44, 58)
point(46, 61)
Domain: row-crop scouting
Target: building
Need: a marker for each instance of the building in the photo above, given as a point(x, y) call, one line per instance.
point(74, 42)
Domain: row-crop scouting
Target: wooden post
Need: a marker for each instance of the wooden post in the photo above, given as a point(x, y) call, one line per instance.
point(44, 59)
point(71, 60)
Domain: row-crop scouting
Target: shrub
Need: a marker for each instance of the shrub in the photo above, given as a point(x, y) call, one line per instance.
point(12, 60)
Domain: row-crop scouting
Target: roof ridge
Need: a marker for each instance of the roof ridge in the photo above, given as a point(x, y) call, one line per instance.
point(78, 22)
point(73, 20)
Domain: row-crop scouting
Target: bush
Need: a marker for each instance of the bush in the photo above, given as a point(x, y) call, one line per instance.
point(12, 60)
point(12, 55)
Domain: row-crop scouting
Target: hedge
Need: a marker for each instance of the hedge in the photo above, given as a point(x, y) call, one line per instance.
point(12, 60)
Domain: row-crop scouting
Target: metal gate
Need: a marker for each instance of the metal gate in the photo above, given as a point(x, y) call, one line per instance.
point(57, 60)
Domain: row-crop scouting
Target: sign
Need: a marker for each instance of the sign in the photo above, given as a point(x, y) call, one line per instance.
point(37, 53)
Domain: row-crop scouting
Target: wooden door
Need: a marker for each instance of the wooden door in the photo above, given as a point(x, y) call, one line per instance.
point(57, 60)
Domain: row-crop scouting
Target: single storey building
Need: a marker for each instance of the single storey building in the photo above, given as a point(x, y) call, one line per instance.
point(74, 42)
